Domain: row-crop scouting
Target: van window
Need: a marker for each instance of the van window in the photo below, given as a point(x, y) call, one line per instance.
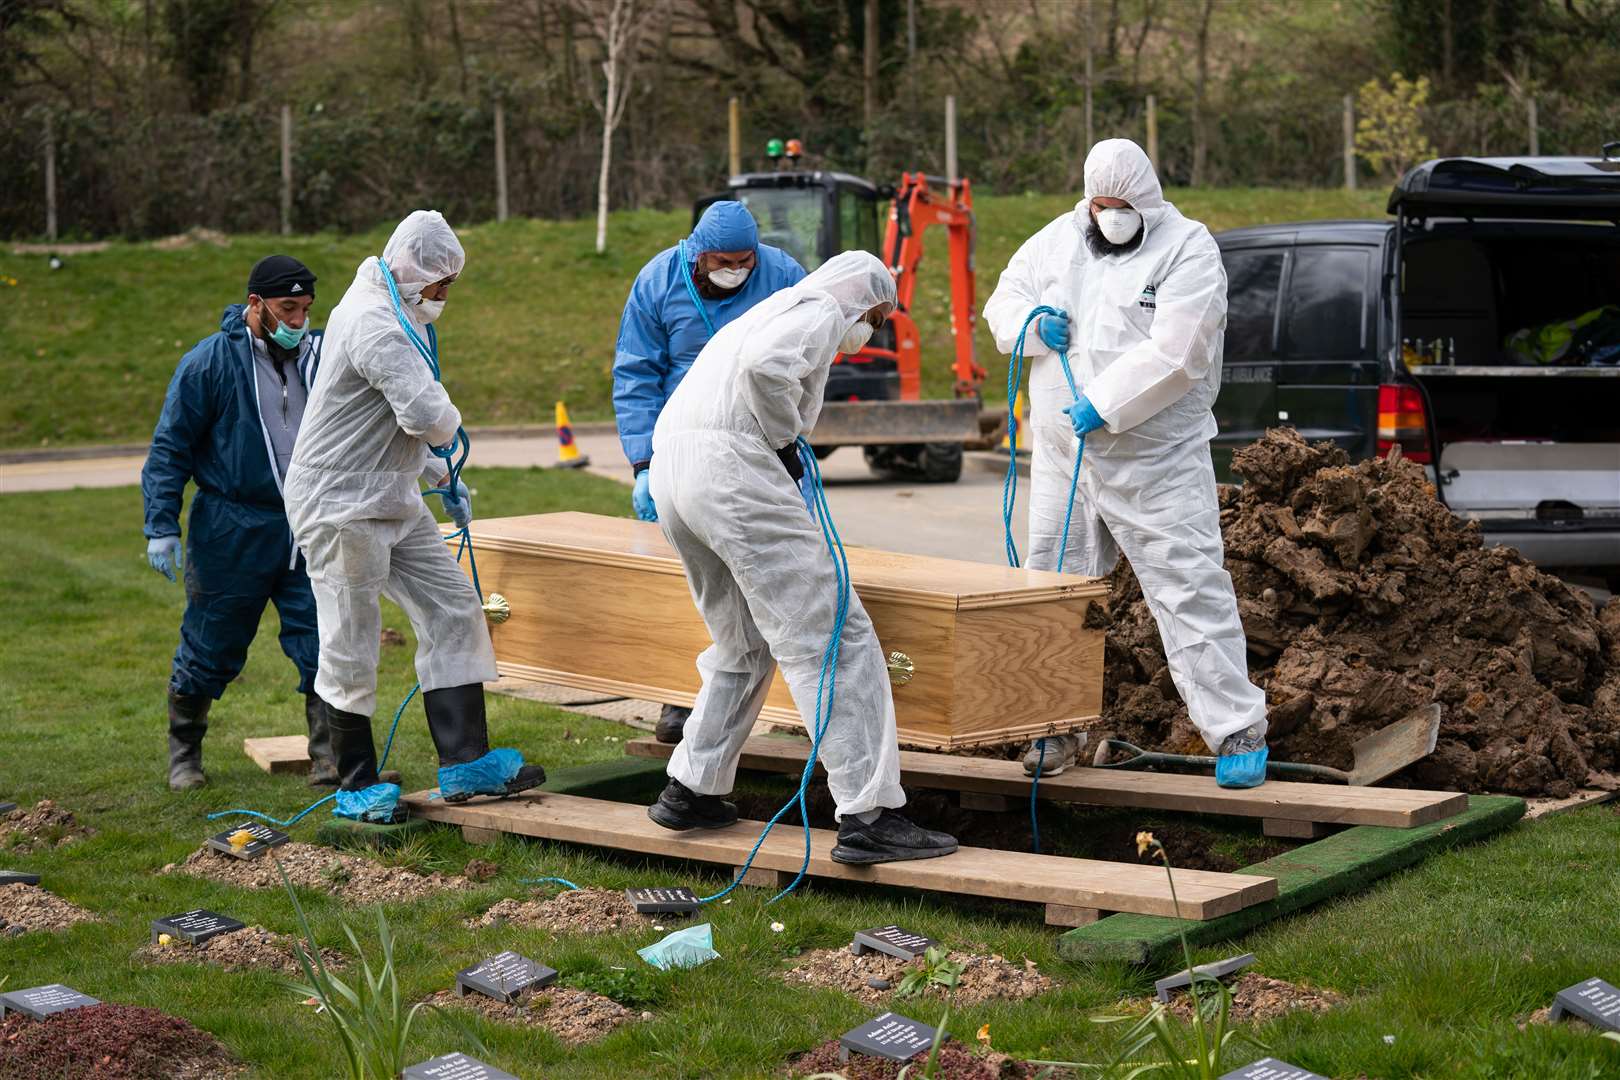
point(857, 222)
point(1327, 302)
point(1252, 279)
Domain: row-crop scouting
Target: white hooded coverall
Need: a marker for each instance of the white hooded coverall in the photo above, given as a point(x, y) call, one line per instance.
point(755, 559)
point(1145, 331)
point(353, 494)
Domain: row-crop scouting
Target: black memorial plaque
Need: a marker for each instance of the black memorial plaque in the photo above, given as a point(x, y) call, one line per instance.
point(7, 807)
point(1272, 1069)
point(18, 877)
point(890, 1036)
point(1595, 1001)
point(504, 977)
point(457, 1066)
point(195, 926)
point(264, 838)
point(892, 941)
point(676, 901)
point(1220, 969)
point(42, 1001)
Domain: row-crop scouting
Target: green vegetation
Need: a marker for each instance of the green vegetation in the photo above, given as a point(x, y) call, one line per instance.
point(86, 351)
point(1446, 959)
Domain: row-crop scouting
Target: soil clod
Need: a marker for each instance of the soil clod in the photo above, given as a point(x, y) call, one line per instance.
point(352, 877)
point(29, 907)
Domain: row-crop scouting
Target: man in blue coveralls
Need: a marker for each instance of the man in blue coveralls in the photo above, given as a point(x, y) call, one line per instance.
point(680, 299)
point(229, 421)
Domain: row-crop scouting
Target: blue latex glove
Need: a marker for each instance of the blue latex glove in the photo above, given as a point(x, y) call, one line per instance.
point(1054, 331)
point(807, 491)
point(459, 505)
point(485, 776)
point(641, 498)
point(1083, 417)
point(375, 803)
point(1242, 770)
point(682, 949)
point(163, 553)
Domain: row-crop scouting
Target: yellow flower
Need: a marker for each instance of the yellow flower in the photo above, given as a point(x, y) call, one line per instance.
point(165, 939)
point(1144, 840)
point(984, 1034)
point(240, 839)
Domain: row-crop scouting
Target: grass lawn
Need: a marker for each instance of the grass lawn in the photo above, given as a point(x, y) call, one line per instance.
point(1444, 958)
point(86, 351)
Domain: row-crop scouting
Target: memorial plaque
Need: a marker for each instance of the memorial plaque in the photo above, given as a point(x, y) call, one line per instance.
point(1220, 969)
point(504, 977)
point(264, 838)
point(1272, 1069)
point(195, 926)
point(892, 941)
point(7, 807)
point(18, 877)
point(678, 901)
point(1595, 1001)
point(890, 1036)
point(42, 1001)
point(457, 1066)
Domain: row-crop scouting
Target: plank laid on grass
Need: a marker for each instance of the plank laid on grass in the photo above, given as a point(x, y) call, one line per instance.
point(1006, 875)
point(1276, 799)
point(279, 753)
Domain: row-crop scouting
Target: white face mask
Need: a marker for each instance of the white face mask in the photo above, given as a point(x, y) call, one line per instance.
point(429, 310)
point(1118, 224)
point(729, 279)
point(855, 338)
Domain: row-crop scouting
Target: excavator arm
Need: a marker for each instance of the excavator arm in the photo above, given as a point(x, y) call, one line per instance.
point(915, 208)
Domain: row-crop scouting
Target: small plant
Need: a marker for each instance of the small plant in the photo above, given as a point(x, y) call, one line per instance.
point(415, 853)
point(336, 874)
point(937, 969)
point(631, 988)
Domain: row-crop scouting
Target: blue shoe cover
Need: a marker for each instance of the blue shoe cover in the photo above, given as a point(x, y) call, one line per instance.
point(485, 776)
point(1242, 770)
point(375, 803)
point(682, 949)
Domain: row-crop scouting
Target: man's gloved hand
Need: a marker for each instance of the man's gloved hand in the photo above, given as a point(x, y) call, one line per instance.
point(163, 553)
point(807, 491)
point(1083, 417)
point(641, 498)
point(459, 505)
point(789, 456)
point(1054, 331)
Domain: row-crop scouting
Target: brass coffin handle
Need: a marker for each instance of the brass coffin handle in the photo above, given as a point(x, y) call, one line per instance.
point(901, 669)
point(497, 609)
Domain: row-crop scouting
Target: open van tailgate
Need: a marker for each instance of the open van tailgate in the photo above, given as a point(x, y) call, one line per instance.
point(1514, 479)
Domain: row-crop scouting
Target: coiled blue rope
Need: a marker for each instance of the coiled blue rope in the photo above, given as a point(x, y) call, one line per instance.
point(826, 687)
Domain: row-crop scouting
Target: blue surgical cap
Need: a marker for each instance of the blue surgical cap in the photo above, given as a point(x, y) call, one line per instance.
point(725, 226)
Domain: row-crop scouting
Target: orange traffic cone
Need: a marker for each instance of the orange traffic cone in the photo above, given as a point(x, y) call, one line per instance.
point(1020, 410)
point(568, 455)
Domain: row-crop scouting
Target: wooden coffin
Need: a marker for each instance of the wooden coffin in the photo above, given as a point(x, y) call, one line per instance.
point(601, 603)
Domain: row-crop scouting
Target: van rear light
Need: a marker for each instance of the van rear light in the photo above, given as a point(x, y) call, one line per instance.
point(1401, 422)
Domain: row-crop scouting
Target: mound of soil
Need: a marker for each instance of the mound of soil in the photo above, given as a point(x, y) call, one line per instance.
point(574, 1016)
point(573, 911)
point(1364, 598)
point(983, 978)
point(29, 907)
point(111, 1042)
point(352, 877)
point(1257, 999)
point(955, 1062)
point(253, 948)
point(41, 828)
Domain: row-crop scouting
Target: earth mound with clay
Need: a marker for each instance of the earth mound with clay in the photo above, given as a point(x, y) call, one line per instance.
point(574, 1016)
point(1257, 999)
point(955, 1062)
point(111, 1042)
point(874, 976)
point(252, 948)
point(29, 907)
point(573, 911)
point(352, 877)
point(40, 828)
point(1363, 598)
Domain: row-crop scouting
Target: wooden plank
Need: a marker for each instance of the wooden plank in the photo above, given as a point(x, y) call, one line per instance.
point(1294, 830)
point(1007, 875)
point(1059, 915)
point(279, 753)
point(1276, 799)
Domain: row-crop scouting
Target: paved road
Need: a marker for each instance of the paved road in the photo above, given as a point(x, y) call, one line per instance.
point(961, 520)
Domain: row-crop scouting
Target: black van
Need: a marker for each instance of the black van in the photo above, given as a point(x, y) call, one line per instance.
point(1479, 330)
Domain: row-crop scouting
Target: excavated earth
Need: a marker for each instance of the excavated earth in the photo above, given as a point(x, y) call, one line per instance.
point(1364, 598)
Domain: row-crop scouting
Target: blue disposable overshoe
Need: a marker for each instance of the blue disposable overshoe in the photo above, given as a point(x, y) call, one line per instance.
point(375, 803)
point(1242, 770)
point(485, 776)
point(683, 949)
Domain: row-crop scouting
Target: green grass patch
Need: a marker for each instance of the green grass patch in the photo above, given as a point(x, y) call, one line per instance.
point(86, 351)
point(1446, 957)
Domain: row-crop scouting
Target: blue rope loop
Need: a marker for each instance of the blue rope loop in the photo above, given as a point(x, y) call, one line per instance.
point(691, 288)
point(1034, 787)
point(1009, 486)
point(826, 687)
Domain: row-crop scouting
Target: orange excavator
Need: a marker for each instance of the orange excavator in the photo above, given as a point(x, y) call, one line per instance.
point(874, 398)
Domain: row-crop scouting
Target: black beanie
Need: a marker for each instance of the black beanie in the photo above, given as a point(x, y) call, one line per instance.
point(280, 275)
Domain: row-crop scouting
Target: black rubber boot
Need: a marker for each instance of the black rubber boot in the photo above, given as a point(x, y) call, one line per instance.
point(680, 808)
point(671, 723)
point(891, 838)
point(322, 766)
point(355, 754)
point(188, 723)
point(460, 731)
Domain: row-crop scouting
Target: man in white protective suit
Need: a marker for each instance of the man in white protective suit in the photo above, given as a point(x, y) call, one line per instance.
point(731, 500)
point(357, 512)
point(1143, 293)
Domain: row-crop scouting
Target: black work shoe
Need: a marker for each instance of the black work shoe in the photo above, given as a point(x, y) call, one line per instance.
point(671, 724)
point(681, 808)
point(891, 838)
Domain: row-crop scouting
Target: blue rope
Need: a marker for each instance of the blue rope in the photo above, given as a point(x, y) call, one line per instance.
point(429, 352)
point(826, 687)
point(548, 881)
point(691, 288)
point(1034, 786)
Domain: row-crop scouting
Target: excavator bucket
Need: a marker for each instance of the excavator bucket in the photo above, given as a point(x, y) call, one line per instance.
point(887, 423)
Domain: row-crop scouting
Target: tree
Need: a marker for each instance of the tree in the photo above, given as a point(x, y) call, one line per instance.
point(1389, 132)
point(1200, 113)
point(619, 26)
